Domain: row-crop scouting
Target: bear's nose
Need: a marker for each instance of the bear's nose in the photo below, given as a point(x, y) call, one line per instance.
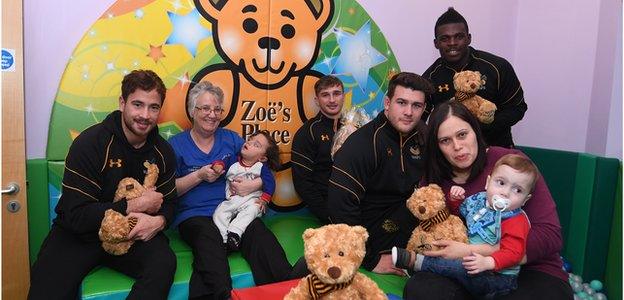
point(268, 43)
point(422, 209)
point(472, 85)
point(334, 272)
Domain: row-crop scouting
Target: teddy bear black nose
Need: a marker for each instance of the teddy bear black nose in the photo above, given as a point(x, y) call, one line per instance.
point(422, 209)
point(268, 43)
point(334, 272)
point(472, 85)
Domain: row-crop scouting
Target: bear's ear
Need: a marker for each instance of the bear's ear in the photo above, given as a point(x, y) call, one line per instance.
point(308, 234)
point(361, 233)
point(322, 11)
point(210, 9)
point(456, 75)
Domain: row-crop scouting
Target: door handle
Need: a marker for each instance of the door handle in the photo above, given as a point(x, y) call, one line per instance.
point(11, 189)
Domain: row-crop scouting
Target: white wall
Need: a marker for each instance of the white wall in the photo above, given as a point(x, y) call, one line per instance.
point(568, 56)
point(614, 135)
point(52, 29)
point(555, 61)
point(408, 27)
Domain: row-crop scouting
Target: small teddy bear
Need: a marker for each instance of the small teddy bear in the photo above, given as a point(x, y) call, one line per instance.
point(334, 253)
point(115, 227)
point(436, 223)
point(467, 83)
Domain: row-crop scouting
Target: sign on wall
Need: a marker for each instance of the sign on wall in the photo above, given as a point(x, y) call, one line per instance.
point(266, 55)
point(8, 60)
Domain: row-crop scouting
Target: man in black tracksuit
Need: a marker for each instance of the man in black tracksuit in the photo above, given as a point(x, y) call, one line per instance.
point(311, 148)
point(98, 159)
point(502, 86)
point(377, 169)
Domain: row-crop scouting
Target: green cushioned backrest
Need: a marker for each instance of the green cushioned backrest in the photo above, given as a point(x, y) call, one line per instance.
point(584, 187)
point(37, 193)
point(578, 228)
point(613, 274)
point(559, 171)
point(605, 183)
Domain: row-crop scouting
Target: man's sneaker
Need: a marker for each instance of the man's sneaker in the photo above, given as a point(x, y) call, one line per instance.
point(233, 242)
point(401, 258)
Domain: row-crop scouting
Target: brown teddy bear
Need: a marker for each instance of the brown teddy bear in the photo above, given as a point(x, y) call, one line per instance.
point(115, 227)
point(467, 83)
point(436, 223)
point(334, 254)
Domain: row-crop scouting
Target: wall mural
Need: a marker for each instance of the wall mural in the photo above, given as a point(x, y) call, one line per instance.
point(266, 55)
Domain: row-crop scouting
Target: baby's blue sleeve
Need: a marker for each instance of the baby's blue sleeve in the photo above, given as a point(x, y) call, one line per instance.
point(268, 180)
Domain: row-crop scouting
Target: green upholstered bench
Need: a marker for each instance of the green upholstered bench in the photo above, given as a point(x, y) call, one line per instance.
point(588, 192)
point(103, 283)
point(586, 188)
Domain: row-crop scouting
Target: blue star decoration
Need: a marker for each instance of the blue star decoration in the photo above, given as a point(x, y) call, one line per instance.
point(357, 55)
point(187, 30)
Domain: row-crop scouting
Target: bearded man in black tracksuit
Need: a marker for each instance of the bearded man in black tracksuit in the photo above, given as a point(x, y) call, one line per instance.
point(311, 149)
point(98, 159)
point(377, 169)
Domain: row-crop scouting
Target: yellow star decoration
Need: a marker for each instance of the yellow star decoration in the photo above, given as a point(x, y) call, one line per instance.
point(74, 134)
point(156, 53)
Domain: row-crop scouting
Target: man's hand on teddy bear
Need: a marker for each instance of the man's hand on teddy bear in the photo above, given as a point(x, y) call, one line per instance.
point(385, 266)
point(476, 263)
point(146, 227)
point(457, 193)
point(149, 202)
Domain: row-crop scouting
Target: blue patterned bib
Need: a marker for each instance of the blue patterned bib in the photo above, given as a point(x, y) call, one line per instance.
point(483, 222)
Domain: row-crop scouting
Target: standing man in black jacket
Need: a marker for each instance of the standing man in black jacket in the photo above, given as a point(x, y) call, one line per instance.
point(502, 86)
point(98, 159)
point(311, 148)
point(377, 169)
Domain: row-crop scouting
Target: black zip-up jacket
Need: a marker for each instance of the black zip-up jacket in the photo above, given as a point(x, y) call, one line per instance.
point(374, 173)
point(501, 87)
point(312, 162)
point(97, 160)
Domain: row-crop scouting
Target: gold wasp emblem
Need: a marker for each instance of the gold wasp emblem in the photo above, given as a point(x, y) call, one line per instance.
point(390, 226)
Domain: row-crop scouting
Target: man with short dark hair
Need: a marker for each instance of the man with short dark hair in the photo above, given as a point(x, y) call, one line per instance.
point(502, 86)
point(311, 148)
point(377, 169)
point(98, 159)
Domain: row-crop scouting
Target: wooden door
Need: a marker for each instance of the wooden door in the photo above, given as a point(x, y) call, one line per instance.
point(15, 258)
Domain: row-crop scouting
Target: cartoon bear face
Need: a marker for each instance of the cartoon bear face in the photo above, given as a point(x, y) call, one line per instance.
point(334, 252)
point(269, 40)
point(426, 201)
point(468, 81)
